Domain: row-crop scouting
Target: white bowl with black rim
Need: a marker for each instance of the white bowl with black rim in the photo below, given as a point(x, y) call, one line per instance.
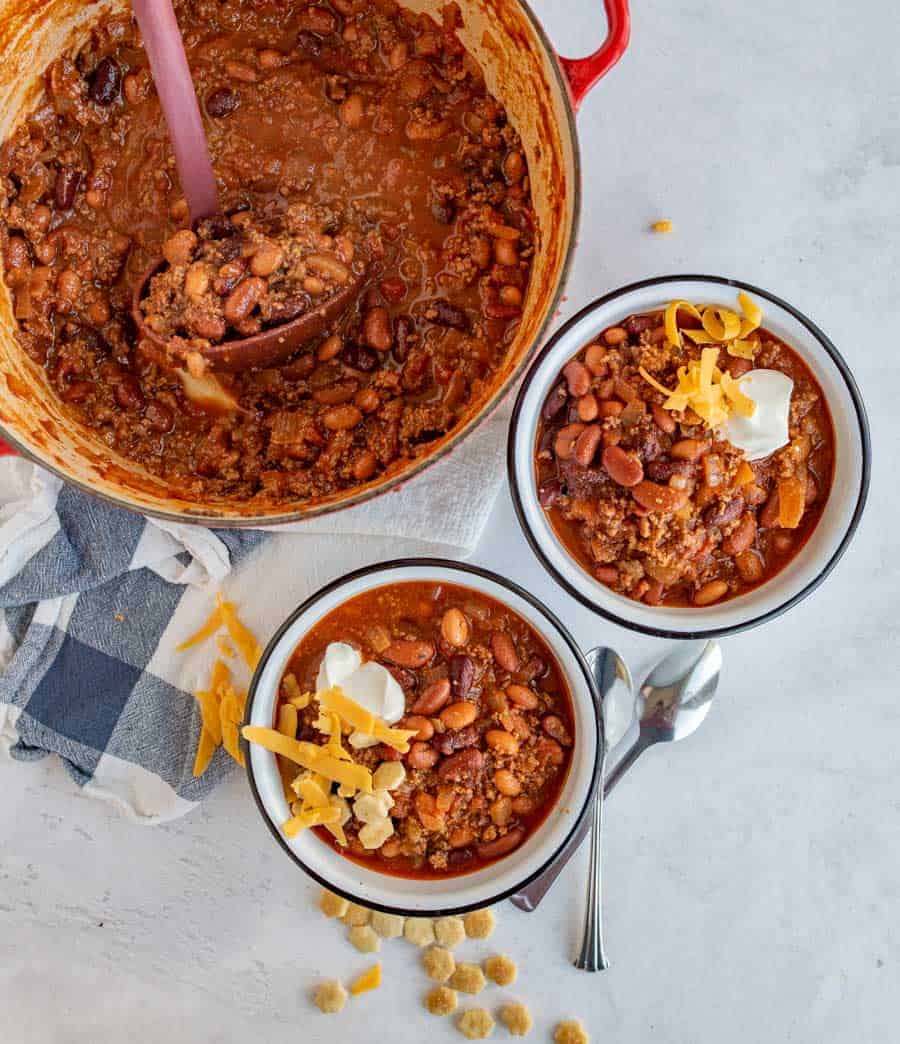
point(409, 896)
point(809, 567)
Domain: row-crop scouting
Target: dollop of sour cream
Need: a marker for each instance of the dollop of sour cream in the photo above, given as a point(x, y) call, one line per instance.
point(369, 684)
point(767, 430)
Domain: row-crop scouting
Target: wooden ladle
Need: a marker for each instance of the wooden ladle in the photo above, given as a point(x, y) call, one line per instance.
point(172, 76)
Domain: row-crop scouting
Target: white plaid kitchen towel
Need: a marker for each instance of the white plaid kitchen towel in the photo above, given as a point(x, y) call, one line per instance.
point(94, 601)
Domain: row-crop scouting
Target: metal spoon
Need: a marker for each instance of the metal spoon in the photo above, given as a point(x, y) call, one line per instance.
point(608, 669)
point(670, 706)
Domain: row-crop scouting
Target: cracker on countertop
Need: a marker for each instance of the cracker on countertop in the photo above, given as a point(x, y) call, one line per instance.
point(330, 997)
point(475, 1024)
point(441, 1001)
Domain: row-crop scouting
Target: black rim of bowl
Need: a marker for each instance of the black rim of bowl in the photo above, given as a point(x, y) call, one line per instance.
point(706, 632)
point(562, 633)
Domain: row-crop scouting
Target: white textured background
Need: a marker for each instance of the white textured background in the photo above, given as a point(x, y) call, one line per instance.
point(751, 874)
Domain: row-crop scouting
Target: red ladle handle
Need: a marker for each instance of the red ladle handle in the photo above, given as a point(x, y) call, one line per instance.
point(583, 73)
point(172, 76)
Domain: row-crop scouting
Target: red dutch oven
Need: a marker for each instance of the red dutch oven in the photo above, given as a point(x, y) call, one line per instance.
point(541, 92)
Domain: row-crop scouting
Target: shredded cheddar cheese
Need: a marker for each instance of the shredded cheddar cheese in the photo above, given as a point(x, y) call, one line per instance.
point(309, 818)
point(287, 720)
point(240, 634)
point(369, 980)
point(705, 389)
point(221, 712)
point(661, 227)
point(311, 757)
point(362, 720)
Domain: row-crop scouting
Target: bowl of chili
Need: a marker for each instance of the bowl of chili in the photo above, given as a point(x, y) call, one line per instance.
point(449, 131)
point(500, 714)
point(648, 513)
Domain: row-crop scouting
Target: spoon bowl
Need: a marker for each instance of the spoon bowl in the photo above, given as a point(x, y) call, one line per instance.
point(268, 348)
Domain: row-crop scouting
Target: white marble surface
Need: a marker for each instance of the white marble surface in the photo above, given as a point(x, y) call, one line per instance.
point(751, 875)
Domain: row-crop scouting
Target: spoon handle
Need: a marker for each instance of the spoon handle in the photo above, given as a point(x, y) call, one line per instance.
point(592, 957)
point(172, 76)
point(529, 898)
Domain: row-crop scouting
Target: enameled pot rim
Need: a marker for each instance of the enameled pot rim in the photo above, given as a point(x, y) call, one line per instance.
point(699, 632)
point(383, 571)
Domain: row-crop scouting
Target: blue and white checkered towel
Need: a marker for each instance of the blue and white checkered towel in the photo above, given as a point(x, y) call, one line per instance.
point(94, 601)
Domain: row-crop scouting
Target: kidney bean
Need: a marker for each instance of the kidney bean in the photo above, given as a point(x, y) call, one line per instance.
point(106, 82)
point(404, 334)
point(738, 367)
point(654, 497)
point(549, 492)
point(386, 753)
point(623, 468)
point(536, 667)
point(741, 537)
point(586, 445)
point(464, 765)
point(222, 102)
point(750, 566)
point(409, 652)
point(459, 739)
point(504, 651)
point(404, 678)
point(68, 180)
point(554, 402)
point(663, 468)
point(443, 313)
point(577, 378)
point(564, 444)
point(377, 329)
point(502, 845)
point(720, 515)
point(462, 674)
point(710, 592)
point(768, 517)
point(422, 756)
point(638, 323)
point(244, 298)
point(606, 574)
point(433, 698)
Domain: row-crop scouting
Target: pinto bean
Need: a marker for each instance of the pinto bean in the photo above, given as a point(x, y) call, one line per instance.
point(502, 845)
point(434, 697)
point(741, 537)
point(353, 110)
point(422, 756)
point(522, 696)
point(462, 674)
point(458, 715)
point(507, 783)
point(689, 449)
point(549, 751)
point(610, 408)
point(615, 335)
point(455, 627)
point(464, 765)
point(554, 727)
point(710, 592)
point(623, 468)
point(595, 360)
point(768, 517)
point(663, 419)
point(587, 408)
point(577, 377)
point(240, 71)
point(504, 651)
point(410, 652)
point(423, 728)
point(654, 497)
point(502, 742)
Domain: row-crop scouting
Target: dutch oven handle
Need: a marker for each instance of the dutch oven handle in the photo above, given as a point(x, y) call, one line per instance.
point(583, 73)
